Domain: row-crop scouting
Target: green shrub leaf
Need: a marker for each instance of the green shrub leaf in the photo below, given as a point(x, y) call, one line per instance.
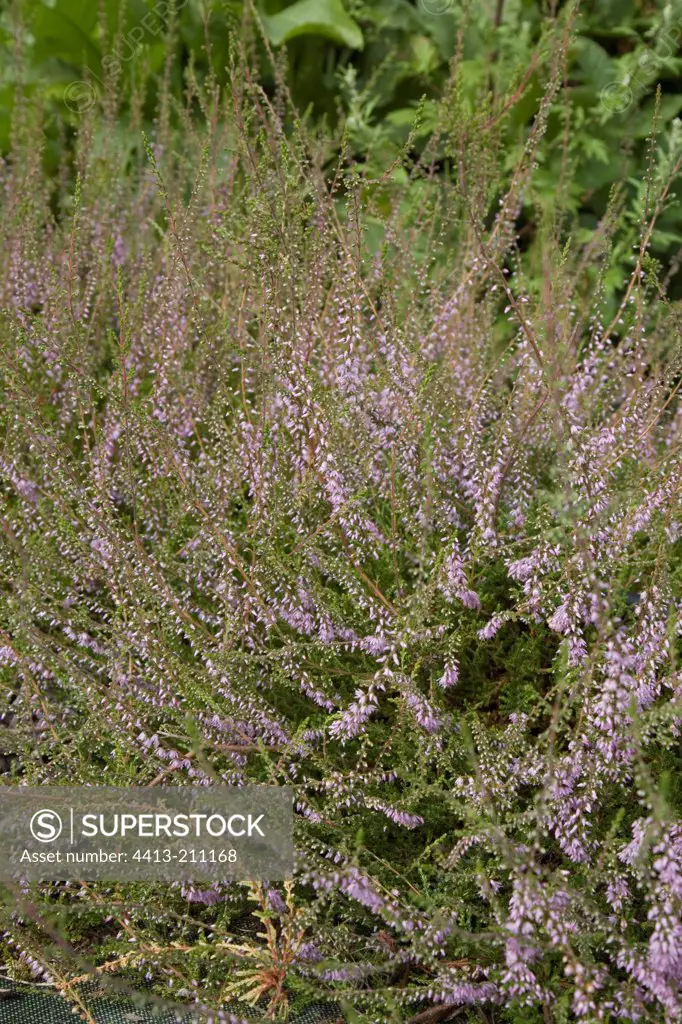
point(314, 18)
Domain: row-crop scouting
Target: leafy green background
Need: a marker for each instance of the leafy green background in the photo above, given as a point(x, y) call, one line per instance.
point(368, 69)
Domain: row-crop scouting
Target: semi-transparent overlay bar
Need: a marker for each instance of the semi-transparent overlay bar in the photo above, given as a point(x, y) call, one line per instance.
point(129, 834)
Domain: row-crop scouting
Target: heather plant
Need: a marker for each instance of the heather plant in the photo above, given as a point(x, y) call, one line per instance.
point(392, 520)
point(366, 68)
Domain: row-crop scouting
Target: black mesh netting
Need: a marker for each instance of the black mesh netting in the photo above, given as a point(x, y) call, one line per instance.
point(27, 1004)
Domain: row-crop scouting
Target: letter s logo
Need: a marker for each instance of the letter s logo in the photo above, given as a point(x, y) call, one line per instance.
point(46, 826)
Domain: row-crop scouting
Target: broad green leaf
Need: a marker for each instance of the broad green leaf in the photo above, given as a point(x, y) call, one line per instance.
point(59, 32)
point(392, 14)
point(425, 57)
point(313, 18)
point(402, 117)
point(81, 12)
